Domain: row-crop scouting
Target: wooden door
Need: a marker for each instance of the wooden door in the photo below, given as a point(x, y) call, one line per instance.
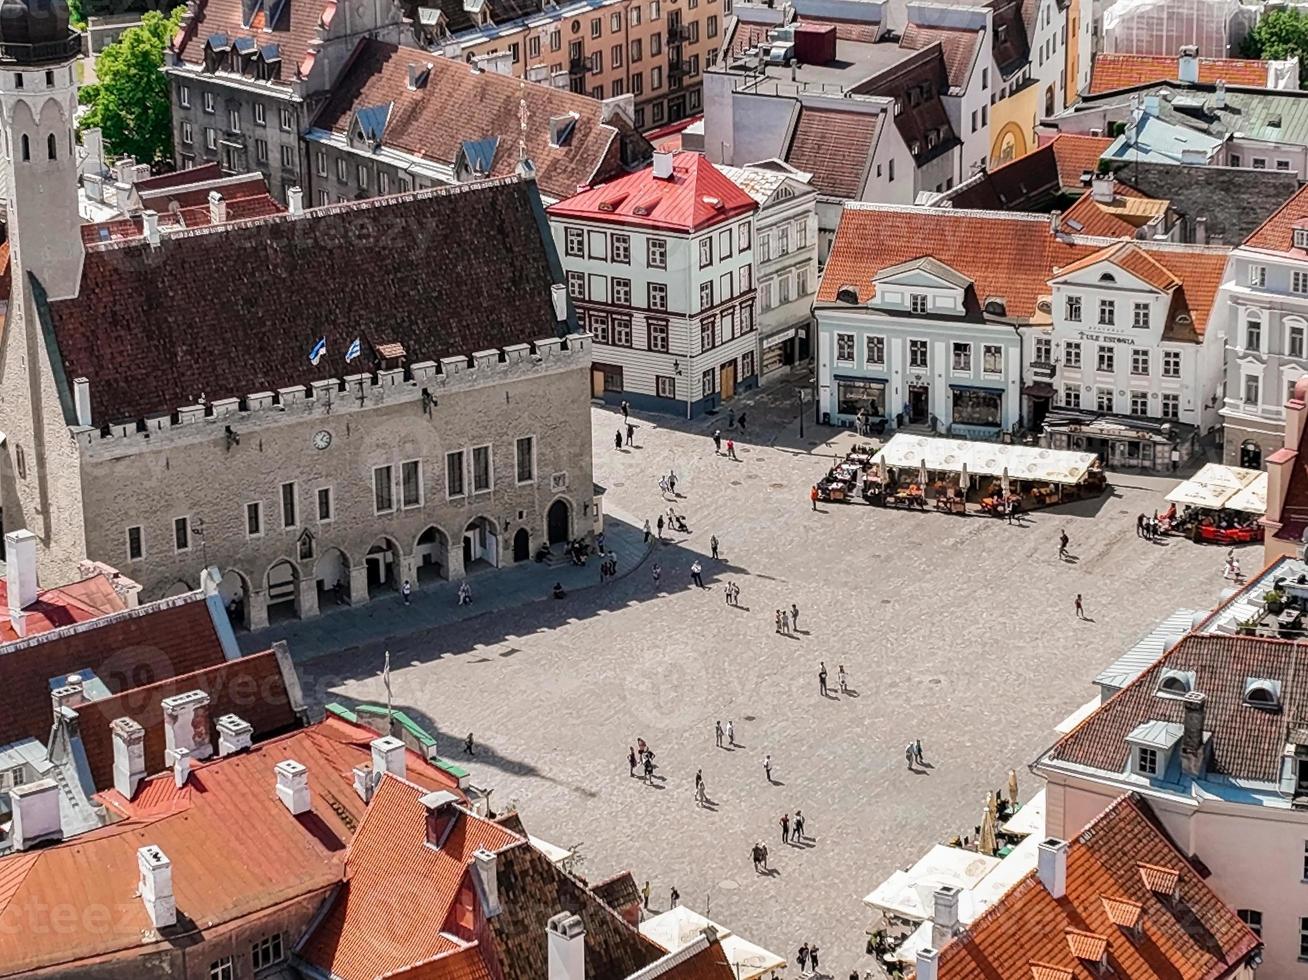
point(727, 385)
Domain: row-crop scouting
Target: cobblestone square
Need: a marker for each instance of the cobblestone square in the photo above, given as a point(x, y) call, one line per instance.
point(958, 630)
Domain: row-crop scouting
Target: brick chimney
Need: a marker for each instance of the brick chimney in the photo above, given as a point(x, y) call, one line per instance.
point(488, 884)
point(20, 576)
point(156, 886)
point(129, 755)
point(217, 208)
point(35, 808)
point(1102, 188)
point(567, 947)
point(1194, 747)
point(186, 725)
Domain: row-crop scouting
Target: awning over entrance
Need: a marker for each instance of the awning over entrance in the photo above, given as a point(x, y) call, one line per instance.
point(1039, 389)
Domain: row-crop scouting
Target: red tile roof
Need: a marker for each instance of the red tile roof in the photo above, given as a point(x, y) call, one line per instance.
point(835, 147)
point(211, 170)
point(195, 193)
point(1115, 71)
point(1246, 742)
point(1129, 257)
point(1160, 881)
point(1029, 935)
point(200, 216)
point(236, 851)
point(457, 105)
point(223, 312)
point(697, 196)
point(63, 605)
point(1122, 913)
point(710, 963)
point(463, 963)
point(1129, 210)
point(1029, 182)
point(1075, 155)
point(960, 48)
point(294, 31)
point(1276, 234)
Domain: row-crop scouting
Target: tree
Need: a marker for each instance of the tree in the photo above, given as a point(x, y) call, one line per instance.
point(131, 104)
point(1280, 34)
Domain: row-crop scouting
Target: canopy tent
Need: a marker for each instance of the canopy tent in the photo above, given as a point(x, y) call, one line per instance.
point(1030, 819)
point(986, 459)
point(910, 894)
point(1216, 486)
point(679, 927)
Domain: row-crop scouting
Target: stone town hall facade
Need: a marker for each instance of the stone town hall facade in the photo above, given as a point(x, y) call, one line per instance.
point(161, 411)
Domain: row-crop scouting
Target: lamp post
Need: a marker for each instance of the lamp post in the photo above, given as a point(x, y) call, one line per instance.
point(799, 393)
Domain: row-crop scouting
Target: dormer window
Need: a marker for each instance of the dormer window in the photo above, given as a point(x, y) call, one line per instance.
point(1177, 683)
point(1146, 761)
point(1260, 692)
point(1301, 238)
point(847, 294)
point(917, 303)
point(1151, 745)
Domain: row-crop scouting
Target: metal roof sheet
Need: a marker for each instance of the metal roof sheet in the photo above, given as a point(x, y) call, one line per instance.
point(1147, 650)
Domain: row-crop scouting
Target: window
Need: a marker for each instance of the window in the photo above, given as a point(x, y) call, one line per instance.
point(1140, 315)
point(576, 285)
point(917, 353)
point(708, 382)
point(223, 969)
point(635, 57)
point(285, 119)
point(1104, 399)
point(706, 251)
point(411, 483)
point(876, 350)
point(742, 237)
point(383, 489)
point(575, 242)
point(1072, 396)
point(342, 170)
point(261, 151)
point(706, 295)
point(596, 27)
point(525, 457)
point(1074, 309)
point(288, 163)
point(621, 292)
point(253, 520)
point(622, 249)
point(992, 359)
point(656, 253)
point(1107, 312)
point(1253, 333)
point(724, 243)
point(747, 369)
point(599, 327)
point(962, 357)
point(322, 164)
point(658, 296)
point(1282, 164)
point(188, 134)
point(1252, 384)
point(658, 334)
point(208, 102)
point(1139, 361)
point(1258, 276)
point(324, 496)
point(707, 333)
point(1171, 364)
point(1303, 938)
point(746, 317)
point(181, 534)
point(1253, 919)
point(234, 120)
point(1259, 163)
point(1171, 406)
point(845, 347)
point(665, 387)
point(184, 96)
point(454, 474)
point(615, 56)
point(1299, 280)
point(481, 469)
point(288, 505)
point(267, 951)
point(1139, 403)
point(917, 303)
point(1294, 341)
point(621, 331)
point(383, 182)
point(634, 17)
point(135, 544)
point(1105, 357)
point(210, 140)
point(1072, 353)
point(711, 28)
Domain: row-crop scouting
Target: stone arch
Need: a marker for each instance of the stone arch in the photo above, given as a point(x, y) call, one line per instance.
point(331, 575)
point(558, 521)
point(521, 545)
point(431, 555)
point(383, 564)
point(481, 544)
point(1253, 329)
point(282, 589)
point(234, 590)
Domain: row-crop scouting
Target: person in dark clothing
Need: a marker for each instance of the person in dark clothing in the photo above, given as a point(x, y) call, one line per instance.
point(631, 760)
point(617, 440)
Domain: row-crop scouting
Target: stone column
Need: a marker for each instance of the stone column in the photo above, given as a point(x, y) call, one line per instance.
point(257, 605)
point(359, 584)
point(409, 570)
point(308, 604)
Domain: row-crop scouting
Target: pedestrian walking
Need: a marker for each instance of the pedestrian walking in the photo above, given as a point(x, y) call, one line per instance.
point(646, 539)
point(785, 622)
point(644, 894)
point(785, 828)
point(1010, 508)
point(657, 570)
point(778, 621)
point(699, 787)
point(1062, 543)
point(794, 615)
point(626, 407)
point(660, 526)
point(672, 483)
point(841, 679)
point(813, 495)
point(717, 733)
point(756, 852)
point(764, 849)
point(813, 957)
point(649, 768)
point(822, 678)
point(1080, 609)
point(731, 733)
point(908, 755)
point(663, 487)
point(917, 752)
point(617, 440)
point(798, 824)
point(696, 570)
point(631, 761)
point(674, 897)
point(767, 767)
point(467, 745)
point(717, 442)
point(731, 450)
point(406, 590)
point(713, 546)
point(1139, 525)
point(631, 433)
point(802, 957)
point(1176, 458)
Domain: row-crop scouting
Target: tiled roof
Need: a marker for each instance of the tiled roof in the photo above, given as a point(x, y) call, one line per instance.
point(709, 963)
point(920, 119)
point(1122, 913)
point(294, 31)
point(618, 892)
point(1030, 182)
point(61, 606)
point(1276, 234)
point(1012, 51)
point(959, 45)
point(864, 32)
point(222, 312)
point(835, 147)
point(1130, 258)
point(746, 35)
point(236, 850)
point(1115, 71)
point(1127, 212)
point(210, 170)
point(458, 16)
point(1247, 742)
point(1028, 935)
point(1075, 154)
point(199, 216)
point(194, 193)
point(463, 963)
point(124, 650)
point(697, 195)
point(457, 105)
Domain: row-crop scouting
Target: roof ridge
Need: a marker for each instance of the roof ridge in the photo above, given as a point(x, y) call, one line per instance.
point(1019, 216)
point(109, 619)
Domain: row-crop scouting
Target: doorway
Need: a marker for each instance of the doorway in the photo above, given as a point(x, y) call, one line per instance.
point(727, 380)
point(521, 545)
point(1039, 409)
point(556, 522)
point(676, 108)
point(919, 402)
point(596, 382)
point(1251, 455)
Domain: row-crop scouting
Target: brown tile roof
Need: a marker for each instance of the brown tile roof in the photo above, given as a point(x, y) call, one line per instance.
point(861, 31)
point(457, 105)
point(195, 193)
point(1115, 71)
point(959, 46)
point(1276, 234)
point(236, 851)
point(223, 312)
point(917, 84)
point(1130, 258)
point(1013, 51)
point(1246, 742)
point(1029, 182)
point(835, 147)
point(294, 31)
point(124, 650)
point(63, 605)
point(1075, 155)
point(211, 170)
point(200, 216)
point(710, 963)
point(1029, 934)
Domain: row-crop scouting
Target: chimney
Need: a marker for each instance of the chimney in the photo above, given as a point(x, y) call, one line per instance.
point(295, 200)
point(293, 786)
point(1219, 95)
point(1151, 105)
point(70, 694)
point(234, 734)
point(1055, 222)
point(1101, 188)
point(1193, 744)
point(364, 782)
point(441, 815)
point(20, 575)
point(388, 756)
point(928, 960)
point(181, 767)
point(944, 917)
point(217, 209)
point(82, 400)
point(129, 755)
point(488, 885)
point(35, 809)
point(418, 75)
point(539, 74)
point(567, 949)
point(156, 886)
point(1187, 65)
point(1051, 865)
point(662, 165)
point(150, 227)
point(559, 297)
point(186, 725)
point(1201, 231)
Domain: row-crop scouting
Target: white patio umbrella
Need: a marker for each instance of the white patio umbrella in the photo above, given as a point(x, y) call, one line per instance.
point(1003, 480)
point(986, 843)
point(962, 478)
point(1012, 786)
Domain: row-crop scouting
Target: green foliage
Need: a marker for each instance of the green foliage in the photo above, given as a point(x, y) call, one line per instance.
point(131, 104)
point(1280, 34)
point(77, 14)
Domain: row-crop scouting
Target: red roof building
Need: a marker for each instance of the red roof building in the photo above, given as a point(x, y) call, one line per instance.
point(1111, 72)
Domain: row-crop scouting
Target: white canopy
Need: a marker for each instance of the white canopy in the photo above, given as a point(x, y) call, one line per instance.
point(1030, 819)
point(986, 459)
point(679, 927)
point(911, 894)
point(1216, 486)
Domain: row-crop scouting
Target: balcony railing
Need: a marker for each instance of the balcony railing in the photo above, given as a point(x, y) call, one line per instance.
point(27, 54)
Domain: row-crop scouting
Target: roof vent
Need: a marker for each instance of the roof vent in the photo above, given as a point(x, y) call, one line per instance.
point(156, 886)
point(847, 294)
point(610, 204)
point(1177, 683)
point(996, 306)
point(1262, 692)
point(234, 734)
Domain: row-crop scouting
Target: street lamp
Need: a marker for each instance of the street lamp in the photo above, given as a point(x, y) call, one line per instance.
point(799, 393)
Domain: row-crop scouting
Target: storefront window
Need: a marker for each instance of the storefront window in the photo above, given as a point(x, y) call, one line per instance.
point(867, 395)
point(975, 407)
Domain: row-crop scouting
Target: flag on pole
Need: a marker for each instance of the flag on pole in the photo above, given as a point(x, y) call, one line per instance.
point(386, 679)
point(355, 350)
point(319, 349)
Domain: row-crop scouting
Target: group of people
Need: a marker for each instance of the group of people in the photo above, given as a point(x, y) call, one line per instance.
point(807, 954)
point(842, 679)
point(1231, 569)
point(788, 620)
point(913, 755)
point(1153, 528)
point(717, 445)
point(732, 591)
point(642, 756)
point(465, 594)
point(792, 830)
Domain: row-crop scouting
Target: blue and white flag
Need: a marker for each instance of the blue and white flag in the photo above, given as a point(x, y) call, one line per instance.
point(319, 349)
point(355, 350)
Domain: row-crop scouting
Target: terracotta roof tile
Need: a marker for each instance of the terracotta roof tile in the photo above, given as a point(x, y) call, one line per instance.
point(63, 605)
point(1027, 933)
point(1076, 154)
point(835, 147)
point(960, 48)
point(464, 963)
point(1116, 71)
point(211, 170)
point(1126, 213)
point(1160, 881)
point(1130, 258)
point(1276, 234)
point(710, 963)
point(1122, 913)
point(1031, 182)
